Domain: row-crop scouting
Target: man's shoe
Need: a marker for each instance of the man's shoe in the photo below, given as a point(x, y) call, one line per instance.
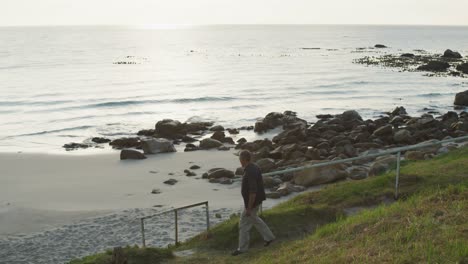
point(267, 243)
point(236, 252)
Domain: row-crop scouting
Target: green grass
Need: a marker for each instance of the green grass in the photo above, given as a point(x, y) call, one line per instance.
point(427, 224)
point(135, 255)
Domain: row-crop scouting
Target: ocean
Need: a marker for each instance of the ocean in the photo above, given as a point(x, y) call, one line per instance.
point(68, 84)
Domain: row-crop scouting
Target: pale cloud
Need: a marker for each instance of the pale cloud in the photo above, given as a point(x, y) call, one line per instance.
point(92, 12)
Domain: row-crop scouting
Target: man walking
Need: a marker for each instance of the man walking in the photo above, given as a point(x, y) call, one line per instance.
point(253, 194)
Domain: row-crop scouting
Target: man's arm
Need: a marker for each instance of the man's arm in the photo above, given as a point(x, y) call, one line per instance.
point(252, 192)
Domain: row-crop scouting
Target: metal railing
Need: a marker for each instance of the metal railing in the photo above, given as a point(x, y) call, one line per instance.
point(383, 153)
point(176, 216)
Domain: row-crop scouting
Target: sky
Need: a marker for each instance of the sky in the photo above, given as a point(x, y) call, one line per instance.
point(188, 12)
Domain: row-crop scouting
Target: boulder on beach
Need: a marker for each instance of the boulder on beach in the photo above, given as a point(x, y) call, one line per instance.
point(383, 131)
point(171, 181)
point(71, 146)
point(219, 173)
point(266, 164)
point(168, 128)
point(461, 98)
point(351, 115)
point(100, 140)
point(434, 66)
point(398, 111)
point(126, 143)
point(217, 128)
point(209, 143)
point(463, 67)
point(452, 54)
point(190, 147)
point(130, 154)
point(320, 175)
point(403, 136)
point(157, 145)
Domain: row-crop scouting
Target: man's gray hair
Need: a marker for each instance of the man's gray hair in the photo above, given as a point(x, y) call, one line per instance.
point(245, 155)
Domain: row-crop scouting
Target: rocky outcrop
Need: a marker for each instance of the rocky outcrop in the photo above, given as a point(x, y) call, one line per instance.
point(461, 98)
point(380, 46)
point(218, 173)
point(288, 119)
point(209, 143)
point(221, 137)
point(435, 66)
point(320, 175)
point(131, 154)
point(100, 140)
point(157, 145)
point(463, 67)
point(452, 54)
point(126, 143)
point(73, 146)
point(266, 164)
point(168, 128)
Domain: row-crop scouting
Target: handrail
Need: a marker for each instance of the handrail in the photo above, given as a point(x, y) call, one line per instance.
point(390, 151)
point(175, 210)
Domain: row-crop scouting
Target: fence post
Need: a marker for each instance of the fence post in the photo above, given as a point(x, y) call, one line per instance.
point(176, 227)
point(207, 217)
point(397, 175)
point(143, 232)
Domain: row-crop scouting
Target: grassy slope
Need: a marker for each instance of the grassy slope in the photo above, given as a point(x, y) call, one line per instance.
point(427, 224)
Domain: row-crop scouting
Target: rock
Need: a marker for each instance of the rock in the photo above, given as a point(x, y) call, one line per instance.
point(320, 175)
point(414, 155)
point(383, 131)
point(126, 143)
point(463, 67)
point(452, 54)
point(168, 128)
point(171, 182)
point(224, 148)
point(273, 195)
point(233, 131)
point(188, 139)
point(266, 164)
point(313, 154)
point(239, 171)
point(218, 215)
point(190, 147)
point(268, 182)
point(219, 173)
point(381, 165)
point(287, 188)
point(435, 66)
point(407, 55)
point(351, 115)
point(461, 98)
point(218, 135)
point(380, 46)
point(195, 167)
point(260, 127)
point(217, 128)
point(146, 132)
point(156, 191)
point(209, 143)
point(241, 140)
point(358, 173)
point(403, 136)
point(189, 173)
point(100, 140)
point(400, 110)
point(157, 145)
point(222, 180)
point(131, 154)
point(72, 146)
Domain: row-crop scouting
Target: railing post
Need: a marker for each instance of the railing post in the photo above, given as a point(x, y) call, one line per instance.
point(143, 232)
point(207, 217)
point(176, 227)
point(397, 175)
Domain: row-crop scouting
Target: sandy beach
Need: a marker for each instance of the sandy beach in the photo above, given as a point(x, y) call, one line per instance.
point(81, 204)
